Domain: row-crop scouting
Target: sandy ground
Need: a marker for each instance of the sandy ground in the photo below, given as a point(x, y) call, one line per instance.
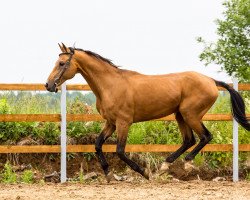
point(123, 190)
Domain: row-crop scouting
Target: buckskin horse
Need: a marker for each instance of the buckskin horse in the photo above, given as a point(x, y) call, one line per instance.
point(124, 97)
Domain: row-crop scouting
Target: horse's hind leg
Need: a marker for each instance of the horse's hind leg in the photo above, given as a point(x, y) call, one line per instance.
point(187, 135)
point(106, 132)
point(122, 133)
point(193, 108)
point(204, 135)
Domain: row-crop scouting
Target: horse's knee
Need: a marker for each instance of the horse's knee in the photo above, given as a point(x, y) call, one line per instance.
point(99, 142)
point(98, 148)
point(207, 136)
point(120, 152)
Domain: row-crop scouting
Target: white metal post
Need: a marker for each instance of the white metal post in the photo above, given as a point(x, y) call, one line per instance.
point(63, 133)
point(235, 142)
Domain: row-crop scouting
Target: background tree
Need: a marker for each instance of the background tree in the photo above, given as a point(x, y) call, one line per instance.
point(232, 49)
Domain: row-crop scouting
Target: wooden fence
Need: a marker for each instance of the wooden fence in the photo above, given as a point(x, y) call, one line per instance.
point(95, 117)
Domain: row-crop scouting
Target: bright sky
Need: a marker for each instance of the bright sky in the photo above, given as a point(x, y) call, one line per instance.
point(149, 36)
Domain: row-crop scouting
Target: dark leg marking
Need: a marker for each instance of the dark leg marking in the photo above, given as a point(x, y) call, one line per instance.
point(121, 153)
point(187, 135)
point(122, 132)
point(205, 138)
point(98, 147)
point(187, 143)
point(107, 132)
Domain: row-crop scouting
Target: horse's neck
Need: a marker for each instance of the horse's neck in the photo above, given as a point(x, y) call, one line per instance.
point(98, 74)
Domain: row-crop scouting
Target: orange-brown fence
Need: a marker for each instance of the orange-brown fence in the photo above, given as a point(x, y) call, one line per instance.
point(95, 117)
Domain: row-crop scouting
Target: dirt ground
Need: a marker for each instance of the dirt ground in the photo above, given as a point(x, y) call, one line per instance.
point(124, 190)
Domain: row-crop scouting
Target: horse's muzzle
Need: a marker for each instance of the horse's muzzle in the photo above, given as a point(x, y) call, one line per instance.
point(51, 87)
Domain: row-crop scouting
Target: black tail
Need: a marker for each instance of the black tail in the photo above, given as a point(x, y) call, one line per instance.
point(238, 105)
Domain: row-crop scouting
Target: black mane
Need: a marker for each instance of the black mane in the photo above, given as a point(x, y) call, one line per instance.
point(90, 53)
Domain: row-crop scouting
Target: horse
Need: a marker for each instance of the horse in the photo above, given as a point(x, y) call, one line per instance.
point(124, 97)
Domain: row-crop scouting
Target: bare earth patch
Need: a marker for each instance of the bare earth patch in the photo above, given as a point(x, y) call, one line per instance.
point(124, 190)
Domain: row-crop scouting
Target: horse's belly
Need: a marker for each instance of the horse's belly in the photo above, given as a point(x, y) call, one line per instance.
point(156, 110)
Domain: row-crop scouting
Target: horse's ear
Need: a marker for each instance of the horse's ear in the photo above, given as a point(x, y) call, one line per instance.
point(61, 48)
point(66, 50)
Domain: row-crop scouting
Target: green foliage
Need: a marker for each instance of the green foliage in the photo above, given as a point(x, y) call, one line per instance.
point(4, 107)
point(80, 129)
point(13, 131)
point(45, 132)
point(49, 132)
point(231, 51)
point(27, 176)
point(156, 132)
point(218, 159)
point(8, 175)
point(222, 104)
point(81, 177)
point(89, 98)
point(37, 103)
point(199, 159)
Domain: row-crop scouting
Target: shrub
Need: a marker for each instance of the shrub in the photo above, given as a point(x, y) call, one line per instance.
point(27, 176)
point(8, 175)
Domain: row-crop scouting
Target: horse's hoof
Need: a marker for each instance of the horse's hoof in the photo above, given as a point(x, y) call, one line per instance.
point(164, 168)
point(109, 176)
point(188, 166)
point(146, 173)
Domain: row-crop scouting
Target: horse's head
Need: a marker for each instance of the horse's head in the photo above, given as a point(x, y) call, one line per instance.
point(65, 68)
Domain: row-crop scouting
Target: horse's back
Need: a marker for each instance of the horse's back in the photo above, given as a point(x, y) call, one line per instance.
point(160, 95)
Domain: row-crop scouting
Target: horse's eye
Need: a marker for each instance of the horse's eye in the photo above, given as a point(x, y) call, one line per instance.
point(61, 63)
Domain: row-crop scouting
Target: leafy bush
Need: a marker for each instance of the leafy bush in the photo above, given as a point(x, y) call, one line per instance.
point(27, 176)
point(13, 131)
point(8, 175)
point(80, 129)
point(49, 133)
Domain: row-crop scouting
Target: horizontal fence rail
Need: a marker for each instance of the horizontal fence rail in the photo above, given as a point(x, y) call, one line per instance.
point(93, 117)
point(40, 87)
point(112, 148)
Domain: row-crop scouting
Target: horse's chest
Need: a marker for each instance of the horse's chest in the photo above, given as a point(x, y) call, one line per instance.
point(106, 110)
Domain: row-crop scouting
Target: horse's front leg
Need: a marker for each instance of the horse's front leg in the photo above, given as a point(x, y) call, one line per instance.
point(105, 134)
point(122, 128)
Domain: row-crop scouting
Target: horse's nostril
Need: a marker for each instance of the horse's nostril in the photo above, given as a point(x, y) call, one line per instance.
point(46, 85)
